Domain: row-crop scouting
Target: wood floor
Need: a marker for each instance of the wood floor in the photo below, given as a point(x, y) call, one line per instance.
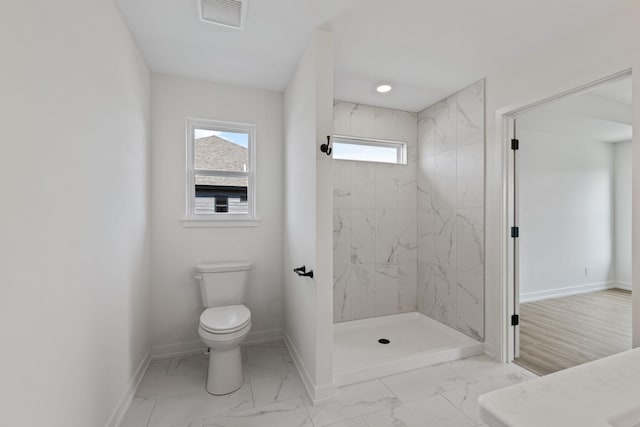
point(559, 333)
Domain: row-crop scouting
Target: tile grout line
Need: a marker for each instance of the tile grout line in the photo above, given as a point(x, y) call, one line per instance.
point(166, 373)
point(387, 387)
point(304, 405)
point(458, 409)
point(253, 398)
point(155, 402)
point(366, 423)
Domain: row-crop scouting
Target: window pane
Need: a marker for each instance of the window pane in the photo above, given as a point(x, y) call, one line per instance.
point(222, 151)
point(221, 195)
point(368, 151)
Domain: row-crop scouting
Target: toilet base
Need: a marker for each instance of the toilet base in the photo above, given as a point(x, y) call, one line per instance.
point(225, 371)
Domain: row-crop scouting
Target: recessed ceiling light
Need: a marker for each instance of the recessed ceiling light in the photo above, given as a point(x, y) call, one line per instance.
point(383, 88)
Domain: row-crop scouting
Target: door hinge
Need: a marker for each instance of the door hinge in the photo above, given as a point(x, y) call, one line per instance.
point(515, 320)
point(515, 232)
point(515, 144)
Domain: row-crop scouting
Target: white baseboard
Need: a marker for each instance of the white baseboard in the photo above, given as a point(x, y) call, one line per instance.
point(123, 404)
point(489, 353)
point(258, 337)
point(192, 347)
point(166, 351)
point(316, 393)
point(623, 285)
point(566, 291)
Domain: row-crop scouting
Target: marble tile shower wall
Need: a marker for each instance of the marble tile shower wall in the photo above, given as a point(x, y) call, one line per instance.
point(375, 245)
point(451, 211)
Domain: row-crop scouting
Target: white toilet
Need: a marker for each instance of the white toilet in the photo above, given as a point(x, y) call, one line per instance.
point(225, 323)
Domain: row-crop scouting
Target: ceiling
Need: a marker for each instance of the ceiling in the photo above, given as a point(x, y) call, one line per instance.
point(603, 113)
point(427, 49)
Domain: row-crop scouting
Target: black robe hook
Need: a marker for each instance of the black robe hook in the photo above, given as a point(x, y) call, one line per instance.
point(326, 148)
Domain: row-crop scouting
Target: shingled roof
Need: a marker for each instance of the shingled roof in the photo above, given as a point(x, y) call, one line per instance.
point(215, 153)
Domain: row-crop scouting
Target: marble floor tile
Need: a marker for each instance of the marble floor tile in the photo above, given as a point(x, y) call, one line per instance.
point(277, 388)
point(482, 368)
point(268, 366)
point(172, 394)
point(433, 411)
point(138, 413)
point(266, 360)
point(159, 386)
point(264, 350)
point(424, 382)
point(192, 362)
point(158, 367)
point(185, 408)
point(466, 399)
point(290, 413)
point(353, 422)
point(288, 360)
point(352, 401)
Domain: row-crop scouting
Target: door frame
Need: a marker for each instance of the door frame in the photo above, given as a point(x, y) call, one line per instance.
point(505, 125)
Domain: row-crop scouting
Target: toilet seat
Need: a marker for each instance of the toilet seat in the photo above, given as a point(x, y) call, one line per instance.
point(226, 319)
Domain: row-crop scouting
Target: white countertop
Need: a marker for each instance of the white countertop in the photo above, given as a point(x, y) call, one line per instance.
point(603, 393)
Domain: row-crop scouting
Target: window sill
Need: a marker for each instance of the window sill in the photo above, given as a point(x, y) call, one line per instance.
point(219, 222)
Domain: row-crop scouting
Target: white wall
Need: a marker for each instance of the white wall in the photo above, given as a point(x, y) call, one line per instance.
point(176, 300)
point(308, 110)
point(74, 222)
point(598, 50)
point(622, 208)
point(375, 237)
point(566, 214)
point(451, 211)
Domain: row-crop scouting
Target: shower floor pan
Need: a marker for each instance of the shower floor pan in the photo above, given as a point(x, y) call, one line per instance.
point(415, 341)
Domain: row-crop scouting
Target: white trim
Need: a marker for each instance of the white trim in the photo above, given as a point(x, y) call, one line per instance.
point(316, 394)
point(623, 285)
point(166, 351)
point(503, 265)
point(401, 148)
point(269, 335)
point(566, 291)
point(218, 222)
point(429, 358)
point(191, 171)
point(125, 401)
point(489, 353)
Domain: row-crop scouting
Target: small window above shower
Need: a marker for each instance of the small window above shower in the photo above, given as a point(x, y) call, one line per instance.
point(369, 150)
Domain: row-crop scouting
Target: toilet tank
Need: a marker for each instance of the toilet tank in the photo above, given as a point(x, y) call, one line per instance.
point(223, 283)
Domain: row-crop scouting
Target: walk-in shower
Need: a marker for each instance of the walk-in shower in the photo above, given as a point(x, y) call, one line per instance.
point(409, 239)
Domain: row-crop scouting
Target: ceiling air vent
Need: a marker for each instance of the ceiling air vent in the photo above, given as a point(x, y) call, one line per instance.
point(228, 13)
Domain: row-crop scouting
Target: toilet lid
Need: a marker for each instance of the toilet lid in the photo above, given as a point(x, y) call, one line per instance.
point(226, 319)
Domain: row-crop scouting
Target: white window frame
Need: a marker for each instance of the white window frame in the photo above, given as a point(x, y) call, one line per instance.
point(401, 147)
point(193, 219)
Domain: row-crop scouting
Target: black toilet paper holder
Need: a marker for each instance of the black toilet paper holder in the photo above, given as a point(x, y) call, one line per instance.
point(302, 271)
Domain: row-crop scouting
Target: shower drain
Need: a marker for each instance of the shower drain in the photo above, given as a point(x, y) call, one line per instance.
point(384, 341)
